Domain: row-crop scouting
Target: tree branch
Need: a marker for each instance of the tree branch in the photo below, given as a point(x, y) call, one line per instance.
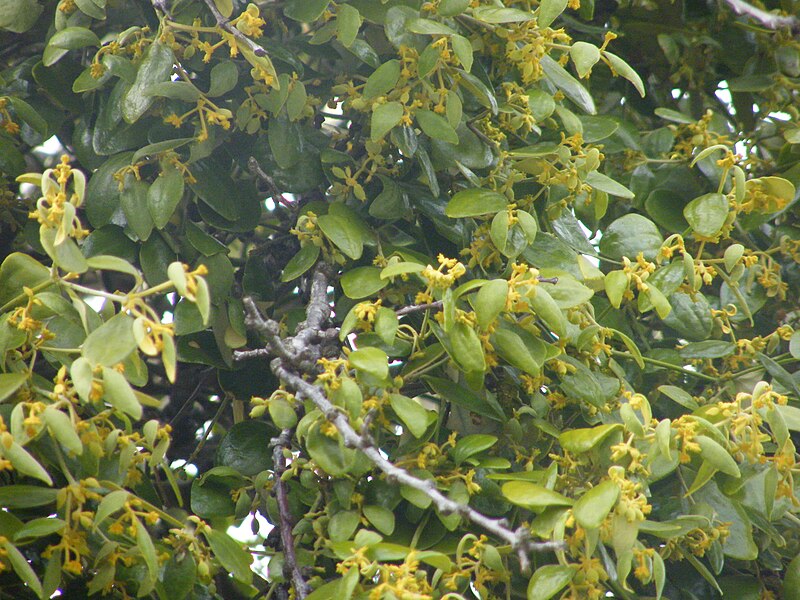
point(238, 35)
point(767, 19)
point(297, 355)
point(407, 310)
point(290, 568)
point(519, 539)
point(257, 171)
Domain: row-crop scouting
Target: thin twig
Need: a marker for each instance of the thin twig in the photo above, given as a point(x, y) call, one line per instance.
point(290, 568)
point(238, 35)
point(767, 19)
point(407, 310)
point(255, 169)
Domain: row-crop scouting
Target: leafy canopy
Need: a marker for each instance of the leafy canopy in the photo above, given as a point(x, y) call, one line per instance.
point(466, 298)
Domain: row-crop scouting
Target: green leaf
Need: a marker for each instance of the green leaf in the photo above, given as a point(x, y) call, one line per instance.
point(511, 347)
point(72, 38)
point(164, 195)
point(344, 233)
point(401, 268)
point(436, 126)
point(110, 504)
point(623, 69)
point(490, 301)
point(533, 496)
point(582, 440)
point(616, 283)
point(471, 445)
point(119, 394)
point(604, 183)
point(23, 462)
point(329, 452)
point(175, 90)
point(791, 580)
point(708, 349)
point(384, 118)
point(479, 90)
point(493, 14)
point(382, 79)
point(348, 22)
point(717, 456)
point(467, 348)
point(680, 396)
point(593, 507)
point(470, 400)
point(19, 15)
point(296, 101)
point(224, 76)
point(462, 48)
point(342, 525)
point(17, 271)
point(549, 10)
point(451, 8)
point(156, 66)
point(411, 413)
point(26, 496)
point(780, 374)
point(37, 528)
point(133, 200)
point(707, 214)
point(29, 114)
point(571, 87)
point(246, 448)
point(629, 235)
point(386, 324)
point(631, 346)
point(112, 342)
point(300, 262)
point(10, 383)
point(372, 361)
point(549, 580)
point(362, 282)
point(63, 429)
point(584, 56)
point(231, 555)
point(474, 202)
point(145, 544)
point(180, 573)
point(546, 309)
point(225, 7)
point(305, 11)
point(428, 27)
point(381, 518)
point(21, 567)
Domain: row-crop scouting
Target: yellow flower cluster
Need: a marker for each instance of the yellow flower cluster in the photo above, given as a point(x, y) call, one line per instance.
point(57, 208)
point(440, 278)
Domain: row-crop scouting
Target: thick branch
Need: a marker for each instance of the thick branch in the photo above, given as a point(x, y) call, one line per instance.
point(318, 310)
point(238, 35)
point(290, 567)
point(767, 19)
point(519, 539)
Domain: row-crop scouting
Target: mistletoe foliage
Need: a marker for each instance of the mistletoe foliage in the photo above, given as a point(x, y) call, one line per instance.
point(440, 299)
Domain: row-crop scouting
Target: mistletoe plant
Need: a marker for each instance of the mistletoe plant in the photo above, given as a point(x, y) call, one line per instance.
point(402, 299)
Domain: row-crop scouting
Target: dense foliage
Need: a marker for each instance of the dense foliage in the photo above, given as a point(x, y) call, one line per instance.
point(468, 298)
